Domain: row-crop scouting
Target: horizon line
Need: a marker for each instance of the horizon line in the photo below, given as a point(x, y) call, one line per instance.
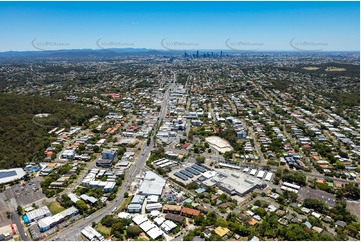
point(175, 50)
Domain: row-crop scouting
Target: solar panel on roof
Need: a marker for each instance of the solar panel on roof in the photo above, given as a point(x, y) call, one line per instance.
point(198, 168)
point(184, 178)
point(4, 174)
point(192, 171)
point(184, 172)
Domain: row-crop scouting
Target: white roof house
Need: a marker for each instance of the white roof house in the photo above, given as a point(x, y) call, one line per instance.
point(139, 219)
point(73, 197)
point(154, 233)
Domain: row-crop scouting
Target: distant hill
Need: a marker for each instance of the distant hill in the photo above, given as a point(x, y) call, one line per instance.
point(23, 140)
point(123, 52)
point(84, 53)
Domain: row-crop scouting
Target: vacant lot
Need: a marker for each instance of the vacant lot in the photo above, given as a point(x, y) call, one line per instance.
point(55, 207)
point(105, 231)
point(354, 208)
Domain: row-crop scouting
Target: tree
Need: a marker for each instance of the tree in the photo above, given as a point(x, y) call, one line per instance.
point(20, 210)
point(81, 205)
point(108, 221)
point(96, 149)
point(340, 165)
point(133, 231)
point(257, 203)
point(126, 194)
point(295, 232)
point(353, 229)
point(260, 211)
point(200, 159)
point(221, 222)
point(117, 229)
point(228, 155)
point(8, 214)
point(315, 204)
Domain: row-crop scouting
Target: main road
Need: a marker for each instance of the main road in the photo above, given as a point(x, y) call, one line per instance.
point(75, 228)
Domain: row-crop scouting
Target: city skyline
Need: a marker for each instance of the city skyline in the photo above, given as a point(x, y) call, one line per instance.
point(240, 26)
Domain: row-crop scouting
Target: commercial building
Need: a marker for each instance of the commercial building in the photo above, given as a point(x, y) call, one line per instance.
point(49, 222)
point(221, 145)
point(10, 175)
point(134, 208)
point(152, 199)
point(135, 205)
point(68, 154)
point(153, 206)
point(152, 184)
point(105, 163)
point(235, 183)
point(38, 214)
point(109, 154)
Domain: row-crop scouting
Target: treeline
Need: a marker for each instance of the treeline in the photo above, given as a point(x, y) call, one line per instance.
point(24, 137)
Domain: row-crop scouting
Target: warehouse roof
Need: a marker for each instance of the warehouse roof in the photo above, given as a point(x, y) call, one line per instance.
point(40, 212)
point(139, 219)
point(152, 184)
point(154, 233)
point(11, 175)
point(159, 220)
point(147, 225)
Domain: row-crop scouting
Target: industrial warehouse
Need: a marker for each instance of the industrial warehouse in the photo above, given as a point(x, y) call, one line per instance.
point(234, 182)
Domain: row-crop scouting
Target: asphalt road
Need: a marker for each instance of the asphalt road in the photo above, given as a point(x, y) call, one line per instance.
point(136, 168)
point(15, 219)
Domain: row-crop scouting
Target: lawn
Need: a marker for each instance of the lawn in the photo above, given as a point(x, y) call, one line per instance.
point(105, 231)
point(55, 207)
point(125, 203)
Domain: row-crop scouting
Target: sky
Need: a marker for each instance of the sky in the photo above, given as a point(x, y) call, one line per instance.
point(328, 26)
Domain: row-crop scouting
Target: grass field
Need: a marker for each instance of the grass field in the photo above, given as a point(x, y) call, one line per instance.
point(55, 207)
point(124, 205)
point(105, 231)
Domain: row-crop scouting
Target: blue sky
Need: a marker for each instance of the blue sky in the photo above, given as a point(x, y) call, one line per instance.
point(180, 25)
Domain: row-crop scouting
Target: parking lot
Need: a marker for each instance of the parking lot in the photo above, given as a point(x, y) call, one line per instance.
point(25, 193)
point(36, 234)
